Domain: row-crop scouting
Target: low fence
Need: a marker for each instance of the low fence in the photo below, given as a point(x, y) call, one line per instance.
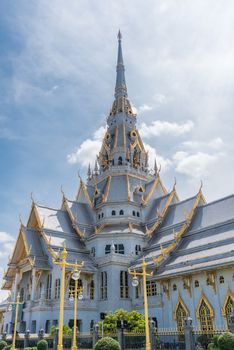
point(161, 339)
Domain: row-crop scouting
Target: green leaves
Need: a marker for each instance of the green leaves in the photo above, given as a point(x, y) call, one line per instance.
point(136, 321)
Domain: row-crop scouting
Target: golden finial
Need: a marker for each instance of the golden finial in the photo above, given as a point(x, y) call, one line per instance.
point(32, 198)
point(159, 169)
point(20, 220)
point(201, 185)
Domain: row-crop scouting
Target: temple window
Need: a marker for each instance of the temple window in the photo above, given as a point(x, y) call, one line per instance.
point(180, 315)
point(22, 294)
point(103, 285)
point(47, 326)
point(205, 317)
point(107, 249)
point(196, 284)
point(221, 279)
point(134, 213)
point(138, 214)
point(120, 161)
point(119, 248)
point(99, 216)
point(48, 286)
point(137, 249)
point(102, 215)
point(228, 310)
point(113, 212)
point(174, 287)
point(93, 252)
point(151, 288)
point(124, 289)
point(208, 282)
point(72, 286)
point(121, 212)
point(57, 289)
point(91, 290)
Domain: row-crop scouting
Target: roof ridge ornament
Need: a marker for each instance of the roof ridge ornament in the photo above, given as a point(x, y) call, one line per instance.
point(120, 86)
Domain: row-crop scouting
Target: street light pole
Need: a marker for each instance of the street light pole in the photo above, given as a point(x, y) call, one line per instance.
point(77, 295)
point(16, 303)
point(135, 283)
point(63, 264)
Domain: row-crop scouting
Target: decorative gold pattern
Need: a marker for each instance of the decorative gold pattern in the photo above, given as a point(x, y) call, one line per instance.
point(228, 306)
point(105, 197)
point(183, 229)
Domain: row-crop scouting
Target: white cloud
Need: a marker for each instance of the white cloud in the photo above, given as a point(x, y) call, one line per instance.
point(87, 151)
point(198, 165)
point(144, 108)
point(7, 244)
point(158, 128)
point(215, 144)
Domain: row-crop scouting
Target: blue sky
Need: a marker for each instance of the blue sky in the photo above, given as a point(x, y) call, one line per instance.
point(57, 75)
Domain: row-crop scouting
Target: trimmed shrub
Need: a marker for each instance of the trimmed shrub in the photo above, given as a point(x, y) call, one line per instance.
point(3, 344)
point(215, 340)
point(211, 346)
point(31, 348)
point(107, 343)
point(8, 347)
point(203, 340)
point(42, 345)
point(226, 341)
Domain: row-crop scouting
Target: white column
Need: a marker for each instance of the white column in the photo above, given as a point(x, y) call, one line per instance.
point(15, 286)
point(33, 294)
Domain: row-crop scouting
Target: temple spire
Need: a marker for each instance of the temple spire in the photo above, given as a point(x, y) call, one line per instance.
point(120, 87)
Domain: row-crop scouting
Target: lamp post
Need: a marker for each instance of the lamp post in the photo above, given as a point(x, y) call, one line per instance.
point(16, 303)
point(62, 262)
point(135, 283)
point(78, 294)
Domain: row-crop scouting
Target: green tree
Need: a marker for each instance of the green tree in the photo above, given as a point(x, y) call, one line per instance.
point(136, 321)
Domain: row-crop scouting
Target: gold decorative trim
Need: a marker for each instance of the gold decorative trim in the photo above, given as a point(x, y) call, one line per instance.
point(183, 229)
point(153, 188)
point(182, 303)
point(116, 137)
point(72, 218)
point(163, 214)
point(206, 301)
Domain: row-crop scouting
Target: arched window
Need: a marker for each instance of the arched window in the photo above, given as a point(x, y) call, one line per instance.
point(99, 216)
point(205, 317)
point(48, 286)
point(196, 284)
point(221, 279)
point(124, 284)
point(227, 310)
point(57, 289)
point(72, 286)
point(120, 161)
point(134, 213)
point(91, 291)
point(137, 249)
point(138, 214)
point(113, 212)
point(121, 212)
point(180, 315)
point(103, 285)
point(102, 215)
point(174, 287)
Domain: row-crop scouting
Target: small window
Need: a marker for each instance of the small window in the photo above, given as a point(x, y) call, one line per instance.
point(99, 216)
point(221, 279)
point(107, 249)
point(120, 161)
point(208, 282)
point(151, 288)
point(196, 284)
point(134, 213)
point(121, 212)
point(174, 287)
point(137, 249)
point(119, 248)
point(113, 213)
point(93, 251)
point(138, 214)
